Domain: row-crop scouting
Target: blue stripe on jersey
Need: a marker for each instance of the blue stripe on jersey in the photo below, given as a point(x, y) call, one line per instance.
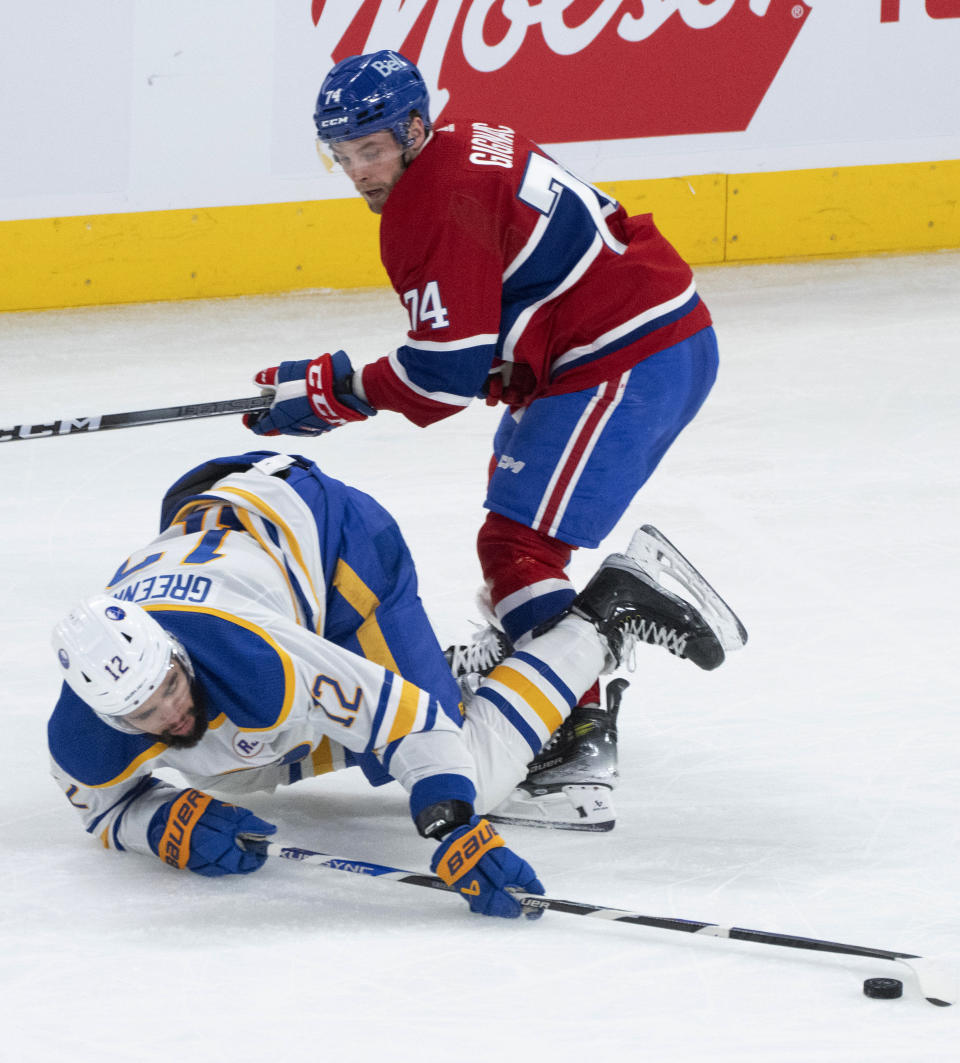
point(311, 622)
point(381, 709)
point(431, 715)
point(512, 717)
point(541, 668)
point(630, 337)
point(566, 239)
point(387, 755)
point(145, 784)
point(458, 371)
point(228, 519)
point(125, 798)
point(431, 719)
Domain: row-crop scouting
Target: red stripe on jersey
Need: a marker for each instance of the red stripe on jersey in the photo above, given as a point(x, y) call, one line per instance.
point(582, 441)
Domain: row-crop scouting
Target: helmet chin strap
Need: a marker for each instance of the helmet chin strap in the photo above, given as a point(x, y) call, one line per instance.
point(409, 154)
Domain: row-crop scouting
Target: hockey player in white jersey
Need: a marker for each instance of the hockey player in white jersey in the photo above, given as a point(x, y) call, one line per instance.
point(273, 631)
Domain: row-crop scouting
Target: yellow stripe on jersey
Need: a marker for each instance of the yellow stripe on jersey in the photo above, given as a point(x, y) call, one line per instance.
point(361, 598)
point(148, 754)
point(270, 514)
point(352, 587)
point(531, 694)
point(374, 645)
point(251, 529)
point(406, 715)
point(274, 518)
point(322, 758)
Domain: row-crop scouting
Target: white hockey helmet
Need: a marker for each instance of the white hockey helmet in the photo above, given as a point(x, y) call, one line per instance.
point(113, 655)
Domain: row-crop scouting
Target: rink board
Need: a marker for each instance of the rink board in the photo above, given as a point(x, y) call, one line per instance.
point(242, 250)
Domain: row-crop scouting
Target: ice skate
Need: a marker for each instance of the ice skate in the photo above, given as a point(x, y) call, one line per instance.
point(627, 603)
point(570, 782)
point(471, 661)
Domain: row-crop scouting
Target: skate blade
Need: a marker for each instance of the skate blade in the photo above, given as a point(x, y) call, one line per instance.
point(574, 807)
point(658, 557)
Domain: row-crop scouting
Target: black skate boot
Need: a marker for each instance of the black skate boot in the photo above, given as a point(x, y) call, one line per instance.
point(569, 782)
point(627, 604)
point(471, 661)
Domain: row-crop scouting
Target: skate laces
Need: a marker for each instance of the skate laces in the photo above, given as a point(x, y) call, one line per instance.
point(640, 629)
point(486, 649)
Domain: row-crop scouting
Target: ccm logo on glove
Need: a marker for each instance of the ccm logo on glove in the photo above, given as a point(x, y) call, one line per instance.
point(308, 397)
point(319, 385)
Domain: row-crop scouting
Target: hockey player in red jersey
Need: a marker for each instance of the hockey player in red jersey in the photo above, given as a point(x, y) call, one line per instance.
point(527, 287)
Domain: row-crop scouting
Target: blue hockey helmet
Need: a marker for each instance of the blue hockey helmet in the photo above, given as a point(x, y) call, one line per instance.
point(365, 94)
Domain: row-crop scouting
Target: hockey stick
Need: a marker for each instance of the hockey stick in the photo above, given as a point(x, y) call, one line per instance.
point(934, 983)
point(103, 421)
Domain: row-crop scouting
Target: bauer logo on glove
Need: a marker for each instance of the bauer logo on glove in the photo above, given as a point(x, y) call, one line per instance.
point(466, 851)
point(474, 860)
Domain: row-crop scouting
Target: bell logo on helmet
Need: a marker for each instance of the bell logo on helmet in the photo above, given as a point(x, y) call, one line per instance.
point(115, 612)
point(64, 658)
point(388, 66)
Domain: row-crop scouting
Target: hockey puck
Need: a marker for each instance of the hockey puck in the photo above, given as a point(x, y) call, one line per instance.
point(883, 988)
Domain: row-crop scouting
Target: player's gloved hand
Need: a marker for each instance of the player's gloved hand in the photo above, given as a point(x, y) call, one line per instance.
point(198, 832)
point(475, 860)
point(309, 397)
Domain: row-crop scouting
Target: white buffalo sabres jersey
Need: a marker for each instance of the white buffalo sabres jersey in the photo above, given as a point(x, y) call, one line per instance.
point(238, 578)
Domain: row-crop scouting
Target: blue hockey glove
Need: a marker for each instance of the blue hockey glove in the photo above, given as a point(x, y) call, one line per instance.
point(198, 832)
point(474, 859)
point(309, 397)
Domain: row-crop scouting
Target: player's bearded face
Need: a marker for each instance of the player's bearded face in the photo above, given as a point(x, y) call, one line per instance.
point(175, 712)
point(374, 164)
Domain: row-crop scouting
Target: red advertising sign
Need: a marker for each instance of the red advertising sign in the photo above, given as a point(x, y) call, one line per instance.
point(890, 9)
point(574, 70)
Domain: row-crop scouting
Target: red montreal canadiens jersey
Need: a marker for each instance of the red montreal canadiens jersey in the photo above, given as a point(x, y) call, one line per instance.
point(507, 262)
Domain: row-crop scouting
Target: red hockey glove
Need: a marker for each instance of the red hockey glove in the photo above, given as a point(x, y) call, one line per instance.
point(309, 397)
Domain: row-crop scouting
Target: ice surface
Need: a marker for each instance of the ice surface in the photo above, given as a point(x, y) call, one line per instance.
point(810, 786)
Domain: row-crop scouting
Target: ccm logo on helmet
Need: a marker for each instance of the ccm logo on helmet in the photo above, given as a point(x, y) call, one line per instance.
point(333, 121)
point(388, 66)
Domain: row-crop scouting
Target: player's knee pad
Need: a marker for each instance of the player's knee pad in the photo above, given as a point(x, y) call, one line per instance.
point(513, 555)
